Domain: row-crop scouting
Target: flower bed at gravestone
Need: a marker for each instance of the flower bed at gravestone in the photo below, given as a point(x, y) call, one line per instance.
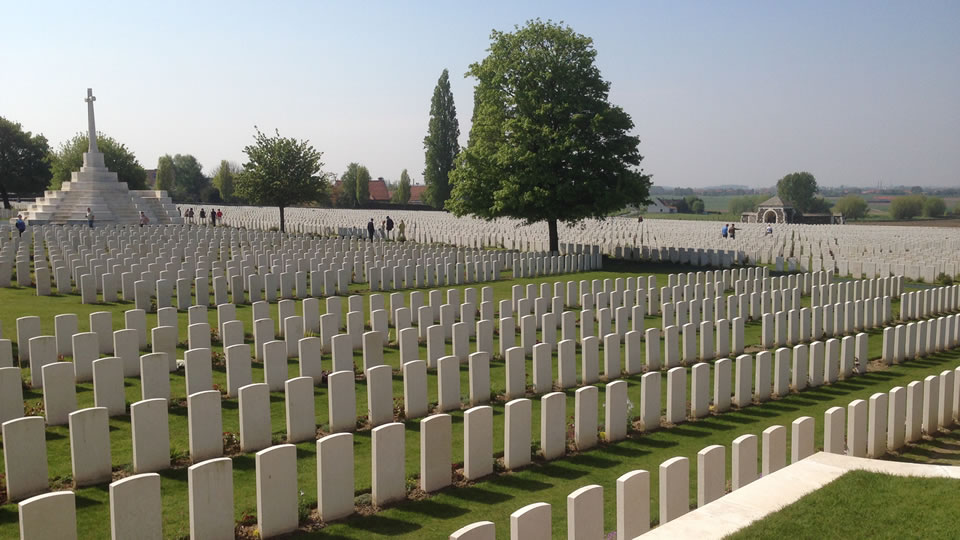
point(438, 514)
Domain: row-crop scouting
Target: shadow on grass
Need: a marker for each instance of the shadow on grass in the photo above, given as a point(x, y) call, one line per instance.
point(84, 501)
point(376, 524)
point(477, 494)
point(435, 509)
point(594, 460)
point(516, 482)
point(559, 470)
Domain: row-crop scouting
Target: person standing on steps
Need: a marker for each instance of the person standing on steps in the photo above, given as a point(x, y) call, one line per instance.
point(143, 219)
point(90, 218)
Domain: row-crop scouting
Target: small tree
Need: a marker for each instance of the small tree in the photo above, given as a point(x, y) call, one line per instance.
point(934, 207)
point(852, 207)
point(189, 182)
point(906, 207)
point(745, 203)
point(166, 174)
point(363, 186)
point(116, 156)
point(223, 181)
point(546, 144)
point(402, 194)
point(281, 172)
point(798, 189)
point(24, 164)
point(694, 204)
point(441, 143)
point(350, 189)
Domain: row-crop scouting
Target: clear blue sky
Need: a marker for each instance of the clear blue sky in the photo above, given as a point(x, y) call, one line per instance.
point(720, 92)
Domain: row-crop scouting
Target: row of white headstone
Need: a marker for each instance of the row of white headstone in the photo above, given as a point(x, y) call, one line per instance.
point(926, 251)
point(747, 380)
point(198, 363)
point(865, 428)
point(870, 428)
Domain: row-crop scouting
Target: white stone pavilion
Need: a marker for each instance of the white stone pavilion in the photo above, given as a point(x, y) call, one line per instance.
point(97, 188)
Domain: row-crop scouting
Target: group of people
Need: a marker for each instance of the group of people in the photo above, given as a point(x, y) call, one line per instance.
point(385, 232)
point(730, 229)
point(215, 216)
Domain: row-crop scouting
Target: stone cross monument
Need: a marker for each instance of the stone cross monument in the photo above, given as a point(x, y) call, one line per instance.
point(99, 189)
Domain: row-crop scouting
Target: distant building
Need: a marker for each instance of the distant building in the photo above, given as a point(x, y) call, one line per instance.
point(417, 194)
point(775, 210)
point(661, 206)
point(379, 191)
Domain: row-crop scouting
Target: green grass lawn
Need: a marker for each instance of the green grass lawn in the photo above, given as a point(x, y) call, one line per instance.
point(493, 499)
point(861, 504)
point(944, 449)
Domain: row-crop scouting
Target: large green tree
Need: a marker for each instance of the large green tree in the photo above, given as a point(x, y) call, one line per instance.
point(166, 174)
point(24, 161)
point(441, 143)
point(223, 180)
point(799, 189)
point(281, 172)
point(401, 195)
point(116, 156)
point(852, 207)
point(546, 144)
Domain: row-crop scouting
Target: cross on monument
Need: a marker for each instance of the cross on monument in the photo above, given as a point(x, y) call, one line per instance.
point(91, 125)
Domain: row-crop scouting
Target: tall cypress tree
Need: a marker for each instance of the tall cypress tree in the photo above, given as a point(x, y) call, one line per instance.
point(441, 143)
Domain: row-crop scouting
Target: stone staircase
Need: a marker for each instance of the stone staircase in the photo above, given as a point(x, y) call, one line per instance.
point(109, 199)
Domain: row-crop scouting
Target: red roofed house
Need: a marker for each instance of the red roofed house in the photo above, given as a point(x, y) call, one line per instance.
point(416, 194)
point(379, 191)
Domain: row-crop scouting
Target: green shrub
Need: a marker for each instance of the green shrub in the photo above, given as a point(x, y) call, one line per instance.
point(907, 207)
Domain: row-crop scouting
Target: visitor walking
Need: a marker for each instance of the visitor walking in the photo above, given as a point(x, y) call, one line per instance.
point(723, 230)
point(90, 218)
point(220, 216)
point(389, 226)
point(143, 219)
point(400, 228)
point(769, 230)
point(213, 217)
point(203, 216)
point(370, 229)
point(733, 231)
point(382, 231)
point(21, 225)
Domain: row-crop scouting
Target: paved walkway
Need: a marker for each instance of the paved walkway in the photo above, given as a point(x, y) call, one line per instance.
point(771, 493)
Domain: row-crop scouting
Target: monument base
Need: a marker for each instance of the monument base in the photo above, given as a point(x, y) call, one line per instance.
point(110, 200)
